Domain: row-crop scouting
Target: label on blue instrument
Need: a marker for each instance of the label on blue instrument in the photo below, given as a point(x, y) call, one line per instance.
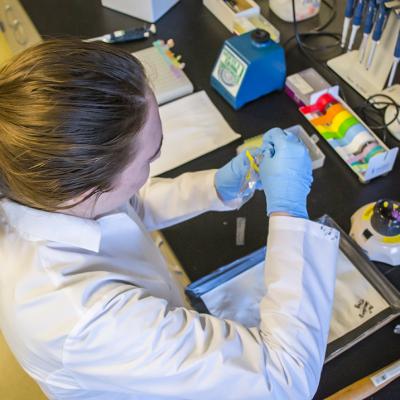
point(230, 70)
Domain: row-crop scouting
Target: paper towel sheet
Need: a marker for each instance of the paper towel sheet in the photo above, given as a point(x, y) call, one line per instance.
point(192, 127)
point(355, 302)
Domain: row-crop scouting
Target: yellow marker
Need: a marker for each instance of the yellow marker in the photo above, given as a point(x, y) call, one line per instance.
point(253, 164)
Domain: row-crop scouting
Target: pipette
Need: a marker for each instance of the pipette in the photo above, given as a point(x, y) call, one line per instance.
point(358, 13)
point(395, 61)
point(348, 15)
point(369, 21)
point(377, 34)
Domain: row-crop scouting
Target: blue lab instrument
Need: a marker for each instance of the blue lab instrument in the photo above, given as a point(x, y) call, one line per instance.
point(248, 67)
point(395, 61)
point(358, 13)
point(348, 15)
point(369, 22)
point(377, 34)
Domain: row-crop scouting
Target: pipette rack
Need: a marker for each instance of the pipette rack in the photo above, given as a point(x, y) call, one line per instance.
point(370, 81)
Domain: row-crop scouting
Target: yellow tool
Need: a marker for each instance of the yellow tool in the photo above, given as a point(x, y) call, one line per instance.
point(369, 385)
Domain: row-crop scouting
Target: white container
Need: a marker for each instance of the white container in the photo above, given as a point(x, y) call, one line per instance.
point(316, 155)
point(304, 9)
point(245, 24)
point(148, 10)
point(226, 15)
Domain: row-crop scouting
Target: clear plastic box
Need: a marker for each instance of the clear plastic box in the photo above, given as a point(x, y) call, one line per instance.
point(302, 85)
point(317, 156)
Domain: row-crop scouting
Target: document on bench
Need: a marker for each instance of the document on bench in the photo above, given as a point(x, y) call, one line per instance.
point(192, 127)
point(356, 300)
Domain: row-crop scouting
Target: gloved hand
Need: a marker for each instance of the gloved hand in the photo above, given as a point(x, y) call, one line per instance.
point(230, 178)
point(285, 173)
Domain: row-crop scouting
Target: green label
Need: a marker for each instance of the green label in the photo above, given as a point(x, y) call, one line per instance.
point(230, 68)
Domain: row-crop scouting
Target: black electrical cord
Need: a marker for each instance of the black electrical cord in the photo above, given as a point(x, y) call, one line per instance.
point(303, 48)
point(373, 112)
point(333, 8)
point(316, 32)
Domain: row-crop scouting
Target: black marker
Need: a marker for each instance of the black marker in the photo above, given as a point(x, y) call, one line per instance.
point(123, 36)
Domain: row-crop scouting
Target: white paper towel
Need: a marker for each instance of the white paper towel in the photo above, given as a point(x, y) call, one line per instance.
point(192, 127)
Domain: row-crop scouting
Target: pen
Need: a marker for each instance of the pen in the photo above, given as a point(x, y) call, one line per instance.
point(395, 61)
point(348, 15)
point(369, 21)
point(358, 13)
point(377, 34)
point(123, 36)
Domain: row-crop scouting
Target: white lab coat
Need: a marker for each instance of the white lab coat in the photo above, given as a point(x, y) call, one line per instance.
point(91, 312)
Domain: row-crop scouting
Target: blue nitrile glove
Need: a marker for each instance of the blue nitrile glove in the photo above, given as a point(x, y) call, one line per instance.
point(229, 179)
point(285, 173)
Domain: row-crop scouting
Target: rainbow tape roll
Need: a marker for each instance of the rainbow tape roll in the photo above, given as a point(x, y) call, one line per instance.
point(364, 152)
point(360, 167)
point(342, 122)
point(346, 125)
point(352, 132)
point(327, 132)
point(338, 121)
point(374, 152)
point(358, 143)
point(329, 115)
point(324, 101)
point(339, 127)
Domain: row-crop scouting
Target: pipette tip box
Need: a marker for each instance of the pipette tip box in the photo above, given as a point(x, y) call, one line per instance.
point(228, 11)
point(302, 85)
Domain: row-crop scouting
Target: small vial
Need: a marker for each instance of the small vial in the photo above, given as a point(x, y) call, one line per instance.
point(249, 184)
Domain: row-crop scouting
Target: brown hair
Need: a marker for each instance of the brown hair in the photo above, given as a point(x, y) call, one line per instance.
point(69, 111)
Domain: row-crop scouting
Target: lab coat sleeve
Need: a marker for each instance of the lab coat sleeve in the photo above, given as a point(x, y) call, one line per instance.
point(134, 343)
point(163, 202)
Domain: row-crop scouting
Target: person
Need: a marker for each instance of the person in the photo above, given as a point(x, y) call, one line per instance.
point(87, 303)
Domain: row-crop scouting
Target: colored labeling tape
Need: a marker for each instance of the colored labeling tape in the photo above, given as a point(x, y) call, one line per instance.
point(375, 151)
point(360, 156)
point(330, 114)
point(347, 124)
point(358, 142)
point(321, 105)
point(352, 132)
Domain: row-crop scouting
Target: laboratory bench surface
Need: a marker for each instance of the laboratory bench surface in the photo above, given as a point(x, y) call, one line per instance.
point(208, 241)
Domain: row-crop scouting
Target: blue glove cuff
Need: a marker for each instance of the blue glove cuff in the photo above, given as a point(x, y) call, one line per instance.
point(284, 201)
